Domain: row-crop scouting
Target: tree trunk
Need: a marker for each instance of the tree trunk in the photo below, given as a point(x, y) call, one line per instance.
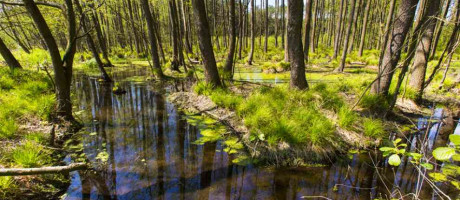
point(338, 30)
point(392, 51)
point(8, 56)
point(439, 29)
point(253, 30)
point(364, 29)
point(354, 26)
point(422, 52)
point(228, 68)
point(153, 41)
point(204, 36)
point(91, 44)
point(347, 36)
point(177, 50)
point(101, 39)
point(62, 67)
point(294, 38)
point(308, 11)
point(266, 26)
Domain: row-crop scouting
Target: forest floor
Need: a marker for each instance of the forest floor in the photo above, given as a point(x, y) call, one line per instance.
point(26, 104)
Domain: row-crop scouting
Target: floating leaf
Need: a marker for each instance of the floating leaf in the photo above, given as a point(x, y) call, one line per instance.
point(102, 156)
point(394, 160)
point(443, 153)
point(455, 139)
point(93, 133)
point(438, 177)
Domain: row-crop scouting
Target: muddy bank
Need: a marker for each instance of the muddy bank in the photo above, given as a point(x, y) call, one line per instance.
point(282, 154)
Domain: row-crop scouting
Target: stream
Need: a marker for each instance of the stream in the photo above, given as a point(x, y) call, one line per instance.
point(143, 147)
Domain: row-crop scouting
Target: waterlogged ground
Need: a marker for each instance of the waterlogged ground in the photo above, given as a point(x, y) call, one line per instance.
point(142, 147)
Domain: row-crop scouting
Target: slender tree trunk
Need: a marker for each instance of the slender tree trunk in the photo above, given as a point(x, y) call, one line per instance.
point(392, 52)
point(266, 26)
point(204, 36)
point(347, 36)
point(177, 51)
point(313, 32)
point(417, 79)
point(101, 39)
point(62, 67)
point(91, 44)
point(228, 68)
point(439, 28)
point(253, 30)
point(283, 22)
point(354, 26)
point(294, 37)
point(153, 42)
point(276, 22)
point(338, 30)
point(286, 44)
point(308, 11)
point(8, 56)
point(364, 28)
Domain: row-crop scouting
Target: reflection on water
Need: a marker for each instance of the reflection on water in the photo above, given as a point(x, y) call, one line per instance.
point(143, 148)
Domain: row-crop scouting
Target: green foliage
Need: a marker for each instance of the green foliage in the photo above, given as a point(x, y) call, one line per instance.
point(289, 115)
point(8, 128)
point(226, 99)
point(28, 154)
point(374, 103)
point(202, 88)
point(6, 185)
point(373, 128)
point(346, 118)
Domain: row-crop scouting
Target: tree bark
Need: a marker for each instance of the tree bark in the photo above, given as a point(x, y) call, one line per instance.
point(266, 26)
point(91, 44)
point(422, 52)
point(308, 11)
point(364, 28)
point(228, 68)
point(338, 30)
point(42, 170)
point(294, 40)
point(392, 51)
point(439, 29)
point(8, 56)
point(62, 67)
point(204, 36)
point(253, 30)
point(153, 41)
point(347, 36)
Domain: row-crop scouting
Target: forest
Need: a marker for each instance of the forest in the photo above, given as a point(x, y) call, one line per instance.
point(229, 99)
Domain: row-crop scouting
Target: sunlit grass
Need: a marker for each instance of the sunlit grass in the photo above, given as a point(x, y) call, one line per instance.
point(28, 154)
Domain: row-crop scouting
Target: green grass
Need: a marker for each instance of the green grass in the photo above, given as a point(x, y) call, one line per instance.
point(6, 185)
point(8, 128)
point(288, 115)
point(373, 128)
point(374, 103)
point(28, 154)
point(347, 118)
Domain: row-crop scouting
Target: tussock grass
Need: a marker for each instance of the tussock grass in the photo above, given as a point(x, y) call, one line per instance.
point(29, 154)
point(373, 128)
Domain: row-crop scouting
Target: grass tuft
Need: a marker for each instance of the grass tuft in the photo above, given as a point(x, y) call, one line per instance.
point(373, 128)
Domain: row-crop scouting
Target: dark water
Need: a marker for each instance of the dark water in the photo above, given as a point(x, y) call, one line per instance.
point(142, 148)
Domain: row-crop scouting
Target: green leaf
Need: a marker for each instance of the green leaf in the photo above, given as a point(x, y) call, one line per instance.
point(397, 141)
point(450, 170)
point(402, 151)
point(455, 139)
point(456, 184)
point(443, 153)
point(456, 157)
point(415, 156)
point(428, 166)
point(261, 137)
point(386, 148)
point(394, 160)
point(438, 177)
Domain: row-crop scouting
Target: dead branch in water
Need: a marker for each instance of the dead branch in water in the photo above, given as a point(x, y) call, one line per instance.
point(42, 170)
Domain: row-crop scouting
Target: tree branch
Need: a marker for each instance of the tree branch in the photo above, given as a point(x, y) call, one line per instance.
point(42, 170)
point(42, 3)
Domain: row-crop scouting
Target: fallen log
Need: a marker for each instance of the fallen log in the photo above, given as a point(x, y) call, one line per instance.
point(42, 170)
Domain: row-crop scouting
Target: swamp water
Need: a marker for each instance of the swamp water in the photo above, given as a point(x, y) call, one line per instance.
point(142, 147)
